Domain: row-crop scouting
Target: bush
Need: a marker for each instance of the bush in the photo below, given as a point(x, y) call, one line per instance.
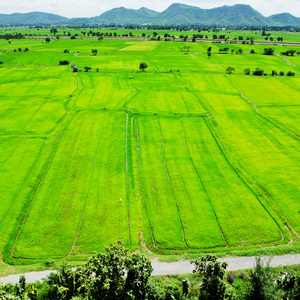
point(231, 277)
point(66, 51)
point(64, 62)
point(247, 71)
point(258, 72)
point(268, 51)
point(290, 73)
point(252, 51)
point(281, 73)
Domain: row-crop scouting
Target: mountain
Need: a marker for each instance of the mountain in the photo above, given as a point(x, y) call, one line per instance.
point(177, 13)
point(36, 18)
point(238, 14)
point(125, 16)
point(285, 18)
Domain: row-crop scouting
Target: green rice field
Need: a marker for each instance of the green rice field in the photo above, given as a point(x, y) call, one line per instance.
point(179, 158)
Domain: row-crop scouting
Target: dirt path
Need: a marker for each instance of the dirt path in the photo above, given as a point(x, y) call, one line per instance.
point(181, 267)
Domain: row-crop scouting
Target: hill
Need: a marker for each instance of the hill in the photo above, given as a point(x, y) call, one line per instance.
point(37, 18)
point(177, 13)
point(285, 18)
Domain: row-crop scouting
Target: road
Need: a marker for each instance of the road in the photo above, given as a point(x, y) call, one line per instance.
point(181, 267)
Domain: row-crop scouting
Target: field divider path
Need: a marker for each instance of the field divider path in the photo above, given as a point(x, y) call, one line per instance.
point(42, 148)
point(37, 189)
point(88, 192)
point(286, 60)
point(202, 184)
point(140, 181)
point(256, 109)
point(169, 178)
point(127, 178)
point(237, 170)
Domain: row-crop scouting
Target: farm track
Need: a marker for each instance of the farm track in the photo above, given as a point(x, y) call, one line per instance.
point(172, 189)
point(286, 60)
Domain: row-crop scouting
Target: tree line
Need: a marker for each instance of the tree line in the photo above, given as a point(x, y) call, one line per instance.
point(117, 275)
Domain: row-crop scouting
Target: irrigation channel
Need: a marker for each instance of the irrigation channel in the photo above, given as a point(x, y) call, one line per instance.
point(180, 267)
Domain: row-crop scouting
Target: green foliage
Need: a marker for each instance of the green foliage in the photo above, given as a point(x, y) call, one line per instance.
point(258, 72)
point(247, 71)
point(230, 70)
point(260, 285)
point(94, 51)
point(212, 273)
point(47, 39)
point(64, 62)
point(143, 66)
point(268, 51)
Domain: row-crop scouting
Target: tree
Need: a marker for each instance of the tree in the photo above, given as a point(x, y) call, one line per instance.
point(20, 287)
point(209, 54)
point(47, 40)
point(212, 273)
point(252, 51)
point(230, 70)
point(143, 66)
point(268, 51)
point(290, 73)
point(240, 51)
point(64, 62)
point(1, 62)
point(258, 72)
point(260, 284)
point(94, 51)
point(54, 31)
point(87, 68)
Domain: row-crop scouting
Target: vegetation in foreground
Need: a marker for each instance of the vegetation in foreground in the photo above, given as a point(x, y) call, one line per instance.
point(117, 275)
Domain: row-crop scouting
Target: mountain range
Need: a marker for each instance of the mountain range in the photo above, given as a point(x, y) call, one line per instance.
point(177, 13)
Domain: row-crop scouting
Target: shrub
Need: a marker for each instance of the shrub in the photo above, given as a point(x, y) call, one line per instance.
point(258, 72)
point(268, 51)
point(231, 277)
point(247, 71)
point(252, 51)
point(66, 51)
point(290, 73)
point(281, 73)
point(64, 62)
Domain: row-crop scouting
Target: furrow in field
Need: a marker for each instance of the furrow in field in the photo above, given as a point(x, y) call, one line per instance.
point(261, 151)
point(171, 186)
point(138, 149)
point(16, 170)
point(193, 164)
point(242, 219)
point(93, 171)
point(127, 178)
point(59, 198)
point(192, 201)
point(156, 190)
point(106, 215)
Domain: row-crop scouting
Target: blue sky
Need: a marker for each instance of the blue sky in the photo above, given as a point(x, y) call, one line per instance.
point(89, 8)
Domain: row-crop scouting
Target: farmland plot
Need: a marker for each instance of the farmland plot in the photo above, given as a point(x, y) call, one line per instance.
point(261, 149)
point(189, 167)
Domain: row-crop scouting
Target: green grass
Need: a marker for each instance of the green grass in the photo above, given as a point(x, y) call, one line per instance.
point(176, 162)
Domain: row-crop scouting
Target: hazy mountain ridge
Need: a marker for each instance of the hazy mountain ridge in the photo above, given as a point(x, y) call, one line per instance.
point(177, 13)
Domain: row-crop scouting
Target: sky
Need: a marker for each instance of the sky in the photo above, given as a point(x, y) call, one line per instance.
point(91, 8)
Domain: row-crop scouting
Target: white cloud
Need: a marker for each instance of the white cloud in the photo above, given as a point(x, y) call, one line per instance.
point(88, 8)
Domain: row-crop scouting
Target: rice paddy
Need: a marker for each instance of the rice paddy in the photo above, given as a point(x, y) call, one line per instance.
point(180, 158)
